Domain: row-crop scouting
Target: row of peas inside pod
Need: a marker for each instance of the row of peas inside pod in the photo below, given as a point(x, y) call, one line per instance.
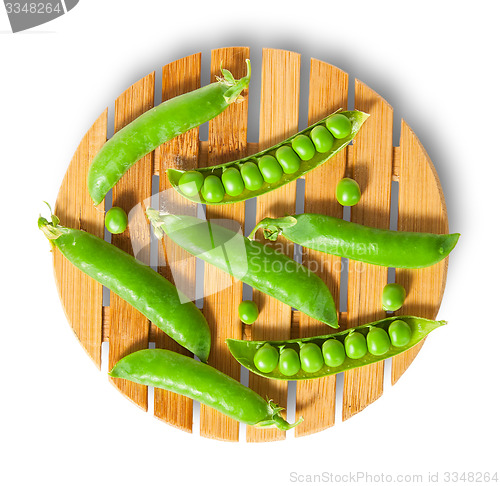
point(311, 358)
point(268, 168)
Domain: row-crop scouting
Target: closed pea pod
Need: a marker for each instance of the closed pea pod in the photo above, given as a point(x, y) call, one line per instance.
point(180, 374)
point(400, 249)
point(293, 166)
point(158, 125)
point(136, 283)
point(255, 264)
point(333, 347)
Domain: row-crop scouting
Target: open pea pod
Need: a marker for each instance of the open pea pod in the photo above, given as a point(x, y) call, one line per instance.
point(324, 146)
point(417, 328)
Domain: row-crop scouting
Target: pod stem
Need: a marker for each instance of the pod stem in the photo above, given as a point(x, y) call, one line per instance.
point(277, 420)
point(273, 227)
point(50, 229)
point(235, 87)
point(155, 219)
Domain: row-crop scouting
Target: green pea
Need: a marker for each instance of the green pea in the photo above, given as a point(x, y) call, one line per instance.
point(251, 176)
point(355, 345)
point(339, 125)
point(303, 146)
point(311, 358)
point(233, 183)
point(248, 311)
point(378, 341)
point(191, 182)
point(288, 159)
point(266, 358)
point(212, 190)
point(348, 192)
point(270, 168)
point(289, 363)
point(393, 297)
point(116, 220)
point(322, 139)
point(400, 333)
point(333, 352)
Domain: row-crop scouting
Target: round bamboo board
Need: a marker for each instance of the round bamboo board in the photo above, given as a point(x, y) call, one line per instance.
point(372, 160)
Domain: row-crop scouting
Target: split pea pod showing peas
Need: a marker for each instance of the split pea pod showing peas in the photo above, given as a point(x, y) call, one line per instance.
point(253, 263)
point(158, 125)
point(134, 282)
point(271, 168)
point(400, 249)
point(314, 357)
point(180, 374)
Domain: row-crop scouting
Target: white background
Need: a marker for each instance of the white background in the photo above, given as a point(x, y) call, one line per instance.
point(436, 63)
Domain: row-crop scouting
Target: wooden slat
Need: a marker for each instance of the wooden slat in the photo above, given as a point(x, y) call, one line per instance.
point(421, 207)
point(372, 169)
point(227, 141)
point(181, 153)
point(129, 329)
point(81, 296)
point(328, 87)
point(279, 114)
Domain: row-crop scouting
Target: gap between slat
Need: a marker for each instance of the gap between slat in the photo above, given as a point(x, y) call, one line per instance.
point(252, 147)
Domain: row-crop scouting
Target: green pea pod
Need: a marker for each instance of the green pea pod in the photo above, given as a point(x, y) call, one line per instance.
point(399, 249)
point(134, 282)
point(244, 351)
point(253, 263)
point(177, 373)
point(356, 118)
point(158, 125)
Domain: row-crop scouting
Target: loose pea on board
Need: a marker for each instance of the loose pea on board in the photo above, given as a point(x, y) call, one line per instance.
point(245, 351)
point(293, 164)
point(347, 192)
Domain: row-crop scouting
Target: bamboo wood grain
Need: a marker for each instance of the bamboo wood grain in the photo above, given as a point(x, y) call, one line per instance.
point(372, 169)
point(371, 160)
point(328, 87)
point(182, 153)
point(279, 114)
point(81, 296)
point(129, 329)
point(421, 207)
point(227, 140)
